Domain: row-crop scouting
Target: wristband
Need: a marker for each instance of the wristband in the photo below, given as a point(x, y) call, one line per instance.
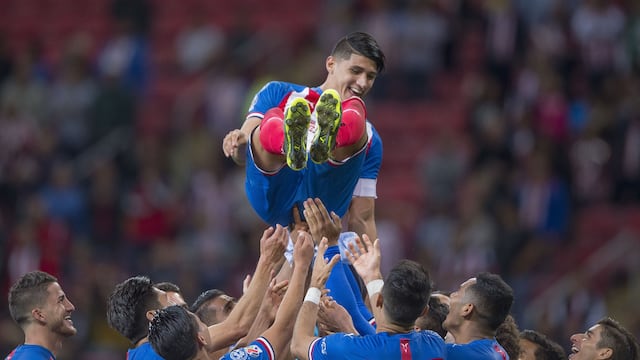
point(313, 295)
point(374, 287)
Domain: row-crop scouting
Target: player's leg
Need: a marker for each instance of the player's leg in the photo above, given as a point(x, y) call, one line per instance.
point(282, 137)
point(351, 135)
point(272, 194)
point(267, 141)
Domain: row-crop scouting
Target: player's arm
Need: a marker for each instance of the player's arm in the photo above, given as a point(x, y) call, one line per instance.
point(279, 334)
point(361, 216)
point(238, 323)
point(235, 142)
point(306, 320)
point(267, 313)
point(365, 257)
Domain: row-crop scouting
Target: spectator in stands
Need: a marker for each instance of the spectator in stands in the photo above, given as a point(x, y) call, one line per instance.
point(537, 346)
point(40, 307)
point(199, 43)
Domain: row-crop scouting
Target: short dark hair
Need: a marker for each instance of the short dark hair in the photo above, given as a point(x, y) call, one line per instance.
point(547, 349)
point(168, 286)
point(200, 308)
point(508, 336)
point(173, 332)
point(435, 317)
point(360, 43)
point(619, 339)
point(127, 307)
point(492, 299)
point(27, 293)
point(406, 292)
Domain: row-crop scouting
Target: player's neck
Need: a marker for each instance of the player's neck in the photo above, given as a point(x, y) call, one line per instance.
point(471, 333)
point(393, 329)
point(43, 337)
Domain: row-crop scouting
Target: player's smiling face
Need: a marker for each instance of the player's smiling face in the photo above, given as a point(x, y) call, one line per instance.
point(351, 77)
point(58, 311)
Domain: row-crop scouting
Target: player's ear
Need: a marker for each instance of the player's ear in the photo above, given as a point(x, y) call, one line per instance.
point(425, 311)
point(38, 315)
point(379, 300)
point(330, 64)
point(151, 314)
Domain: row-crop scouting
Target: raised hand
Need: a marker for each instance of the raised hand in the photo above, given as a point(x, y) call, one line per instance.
point(234, 145)
point(365, 258)
point(298, 225)
point(273, 244)
point(321, 223)
point(303, 250)
point(322, 267)
point(333, 317)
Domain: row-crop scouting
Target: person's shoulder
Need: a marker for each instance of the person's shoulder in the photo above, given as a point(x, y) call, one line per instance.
point(32, 352)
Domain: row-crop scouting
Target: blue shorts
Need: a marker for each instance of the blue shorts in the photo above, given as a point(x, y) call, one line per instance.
point(273, 195)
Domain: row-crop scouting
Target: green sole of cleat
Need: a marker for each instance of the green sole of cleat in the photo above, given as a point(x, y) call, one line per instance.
point(329, 112)
point(296, 125)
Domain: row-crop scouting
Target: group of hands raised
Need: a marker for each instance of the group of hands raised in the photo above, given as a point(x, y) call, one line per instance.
point(311, 237)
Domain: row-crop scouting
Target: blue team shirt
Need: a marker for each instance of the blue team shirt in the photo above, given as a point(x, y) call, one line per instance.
point(273, 195)
point(30, 352)
point(416, 345)
point(259, 349)
point(143, 352)
point(484, 349)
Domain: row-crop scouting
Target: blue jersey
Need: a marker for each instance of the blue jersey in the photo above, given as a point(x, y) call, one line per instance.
point(273, 194)
point(259, 349)
point(30, 352)
point(484, 349)
point(422, 345)
point(143, 352)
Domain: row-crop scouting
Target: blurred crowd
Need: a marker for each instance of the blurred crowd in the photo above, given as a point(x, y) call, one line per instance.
point(111, 161)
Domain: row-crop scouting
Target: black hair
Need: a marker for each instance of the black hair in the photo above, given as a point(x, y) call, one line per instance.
point(200, 308)
point(127, 307)
point(492, 299)
point(168, 286)
point(508, 336)
point(547, 349)
point(27, 293)
point(406, 292)
point(360, 43)
point(619, 339)
point(173, 333)
point(435, 317)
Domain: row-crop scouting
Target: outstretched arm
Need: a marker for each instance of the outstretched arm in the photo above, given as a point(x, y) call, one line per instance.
point(234, 144)
point(305, 322)
point(365, 257)
point(237, 325)
point(361, 216)
point(279, 334)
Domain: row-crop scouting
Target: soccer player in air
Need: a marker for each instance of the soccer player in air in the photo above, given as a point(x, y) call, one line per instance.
point(302, 142)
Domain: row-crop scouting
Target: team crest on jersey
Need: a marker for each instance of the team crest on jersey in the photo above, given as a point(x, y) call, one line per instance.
point(238, 354)
point(253, 350)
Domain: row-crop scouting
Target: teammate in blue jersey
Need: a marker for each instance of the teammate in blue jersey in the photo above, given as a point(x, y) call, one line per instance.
point(397, 302)
point(41, 309)
point(302, 142)
point(605, 340)
point(476, 310)
point(178, 334)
